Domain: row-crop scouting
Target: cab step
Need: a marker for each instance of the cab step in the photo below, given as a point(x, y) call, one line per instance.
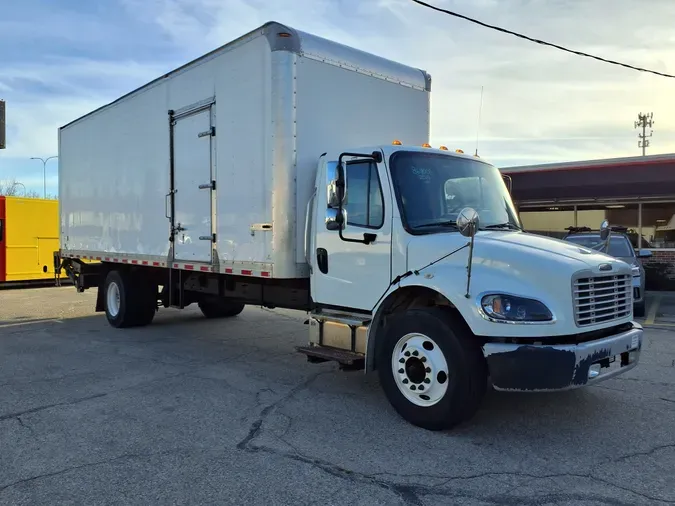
point(347, 359)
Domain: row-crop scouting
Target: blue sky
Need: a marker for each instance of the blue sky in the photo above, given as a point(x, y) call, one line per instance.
point(61, 59)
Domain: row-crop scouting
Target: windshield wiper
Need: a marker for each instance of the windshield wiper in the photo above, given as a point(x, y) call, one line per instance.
point(438, 224)
point(509, 226)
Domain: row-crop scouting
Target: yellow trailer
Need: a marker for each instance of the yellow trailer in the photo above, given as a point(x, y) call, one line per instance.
point(29, 235)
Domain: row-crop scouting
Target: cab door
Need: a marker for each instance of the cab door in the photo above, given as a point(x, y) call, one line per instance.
point(352, 270)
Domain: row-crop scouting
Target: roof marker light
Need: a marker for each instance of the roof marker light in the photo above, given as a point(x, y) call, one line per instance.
point(458, 151)
point(443, 148)
point(396, 143)
point(425, 145)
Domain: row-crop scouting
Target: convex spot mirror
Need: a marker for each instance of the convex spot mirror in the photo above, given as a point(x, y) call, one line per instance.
point(604, 230)
point(468, 222)
point(335, 220)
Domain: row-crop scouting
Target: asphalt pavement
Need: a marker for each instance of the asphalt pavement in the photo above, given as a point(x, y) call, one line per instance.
point(196, 411)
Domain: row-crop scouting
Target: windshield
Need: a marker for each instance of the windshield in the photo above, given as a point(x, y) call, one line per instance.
point(433, 188)
point(619, 246)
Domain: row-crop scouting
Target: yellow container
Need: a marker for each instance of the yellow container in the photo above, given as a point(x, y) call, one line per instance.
point(30, 237)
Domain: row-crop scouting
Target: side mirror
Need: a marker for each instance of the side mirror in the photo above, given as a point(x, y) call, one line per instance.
point(335, 220)
point(604, 230)
point(468, 222)
point(336, 184)
point(645, 253)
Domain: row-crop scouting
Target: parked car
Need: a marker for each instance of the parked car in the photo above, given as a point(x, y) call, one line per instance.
point(619, 247)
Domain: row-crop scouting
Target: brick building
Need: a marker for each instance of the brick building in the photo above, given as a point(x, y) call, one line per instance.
point(635, 192)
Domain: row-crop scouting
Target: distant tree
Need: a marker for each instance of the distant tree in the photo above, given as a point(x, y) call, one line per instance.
point(14, 188)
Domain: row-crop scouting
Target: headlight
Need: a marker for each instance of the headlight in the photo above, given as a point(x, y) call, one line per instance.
point(636, 270)
point(515, 309)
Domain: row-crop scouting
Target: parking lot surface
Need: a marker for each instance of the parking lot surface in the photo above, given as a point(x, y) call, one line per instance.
point(196, 411)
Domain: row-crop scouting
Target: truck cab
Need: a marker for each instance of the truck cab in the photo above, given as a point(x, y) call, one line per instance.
point(418, 262)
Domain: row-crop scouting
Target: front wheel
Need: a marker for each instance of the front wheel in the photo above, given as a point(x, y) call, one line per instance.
point(431, 369)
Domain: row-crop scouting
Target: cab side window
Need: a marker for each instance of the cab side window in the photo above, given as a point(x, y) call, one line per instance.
point(364, 202)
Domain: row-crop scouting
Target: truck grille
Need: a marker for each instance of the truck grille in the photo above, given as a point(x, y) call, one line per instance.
point(601, 299)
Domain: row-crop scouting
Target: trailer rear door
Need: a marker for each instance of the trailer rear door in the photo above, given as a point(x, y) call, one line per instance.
point(193, 184)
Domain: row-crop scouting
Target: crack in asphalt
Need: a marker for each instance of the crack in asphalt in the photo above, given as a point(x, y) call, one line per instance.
point(125, 456)
point(141, 384)
point(413, 494)
point(644, 453)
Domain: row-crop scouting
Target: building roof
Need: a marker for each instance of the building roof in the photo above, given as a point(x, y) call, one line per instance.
point(596, 163)
point(632, 177)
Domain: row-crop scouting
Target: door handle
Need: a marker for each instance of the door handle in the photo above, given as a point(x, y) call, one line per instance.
point(322, 260)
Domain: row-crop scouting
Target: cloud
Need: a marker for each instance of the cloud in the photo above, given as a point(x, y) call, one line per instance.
point(539, 104)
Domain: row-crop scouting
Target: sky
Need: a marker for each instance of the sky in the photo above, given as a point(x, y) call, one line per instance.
point(62, 59)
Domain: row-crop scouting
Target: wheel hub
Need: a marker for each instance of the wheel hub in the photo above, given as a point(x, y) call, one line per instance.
point(420, 369)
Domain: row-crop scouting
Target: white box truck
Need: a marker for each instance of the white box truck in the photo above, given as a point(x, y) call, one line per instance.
point(286, 170)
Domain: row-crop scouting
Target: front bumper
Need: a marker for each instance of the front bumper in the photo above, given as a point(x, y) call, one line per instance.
point(541, 367)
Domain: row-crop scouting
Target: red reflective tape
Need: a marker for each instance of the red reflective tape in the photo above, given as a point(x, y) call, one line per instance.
point(228, 270)
point(189, 267)
point(246, 272)
point(107, 259)
point(144, 262)
point(98, 258)
point(265, 274)
point(134, 261)
point(115, 260)
point(205, 268)
point(175, 266)
point(156, 264)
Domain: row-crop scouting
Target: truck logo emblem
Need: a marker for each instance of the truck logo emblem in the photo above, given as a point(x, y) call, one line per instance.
point(605, 267)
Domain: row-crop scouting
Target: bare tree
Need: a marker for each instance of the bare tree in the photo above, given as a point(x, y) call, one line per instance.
point(14, 188)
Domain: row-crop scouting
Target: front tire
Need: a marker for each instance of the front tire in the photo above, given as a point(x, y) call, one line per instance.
point(431, 368)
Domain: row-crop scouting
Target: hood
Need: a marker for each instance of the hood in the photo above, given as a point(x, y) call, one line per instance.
point(517, 251)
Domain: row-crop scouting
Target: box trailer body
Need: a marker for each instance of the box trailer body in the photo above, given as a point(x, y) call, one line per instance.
point(285, 170)
point(29, 234)
point(246, 119)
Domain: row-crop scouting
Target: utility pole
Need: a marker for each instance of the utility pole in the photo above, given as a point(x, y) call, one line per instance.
point(44, 171)
point(644, 121)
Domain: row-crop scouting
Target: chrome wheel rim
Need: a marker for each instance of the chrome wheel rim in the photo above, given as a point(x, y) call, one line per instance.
point(420, 369)
point(113, 299)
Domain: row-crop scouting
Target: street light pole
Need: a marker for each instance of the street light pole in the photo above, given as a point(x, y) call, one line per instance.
point(44, 172)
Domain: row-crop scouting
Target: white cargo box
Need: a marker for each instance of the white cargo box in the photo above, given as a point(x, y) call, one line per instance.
point(240, 131)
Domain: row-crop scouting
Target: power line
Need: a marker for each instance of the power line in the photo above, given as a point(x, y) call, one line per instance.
point(538, 41)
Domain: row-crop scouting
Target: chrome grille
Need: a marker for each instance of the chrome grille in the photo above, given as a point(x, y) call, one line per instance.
point(601, 299)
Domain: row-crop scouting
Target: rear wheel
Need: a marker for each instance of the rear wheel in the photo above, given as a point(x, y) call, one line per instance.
point(220, 308)
point(432, 370)
point(130, 301)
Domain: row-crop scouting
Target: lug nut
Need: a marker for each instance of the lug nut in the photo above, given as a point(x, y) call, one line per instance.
point(401, 361)
point(405, 381)
point(413, 387)
point(421, 387)
point(427, 380)
point(415, 353)
point(423, 359)
point(401, 371)
point(428, 369)
point(407, 353)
